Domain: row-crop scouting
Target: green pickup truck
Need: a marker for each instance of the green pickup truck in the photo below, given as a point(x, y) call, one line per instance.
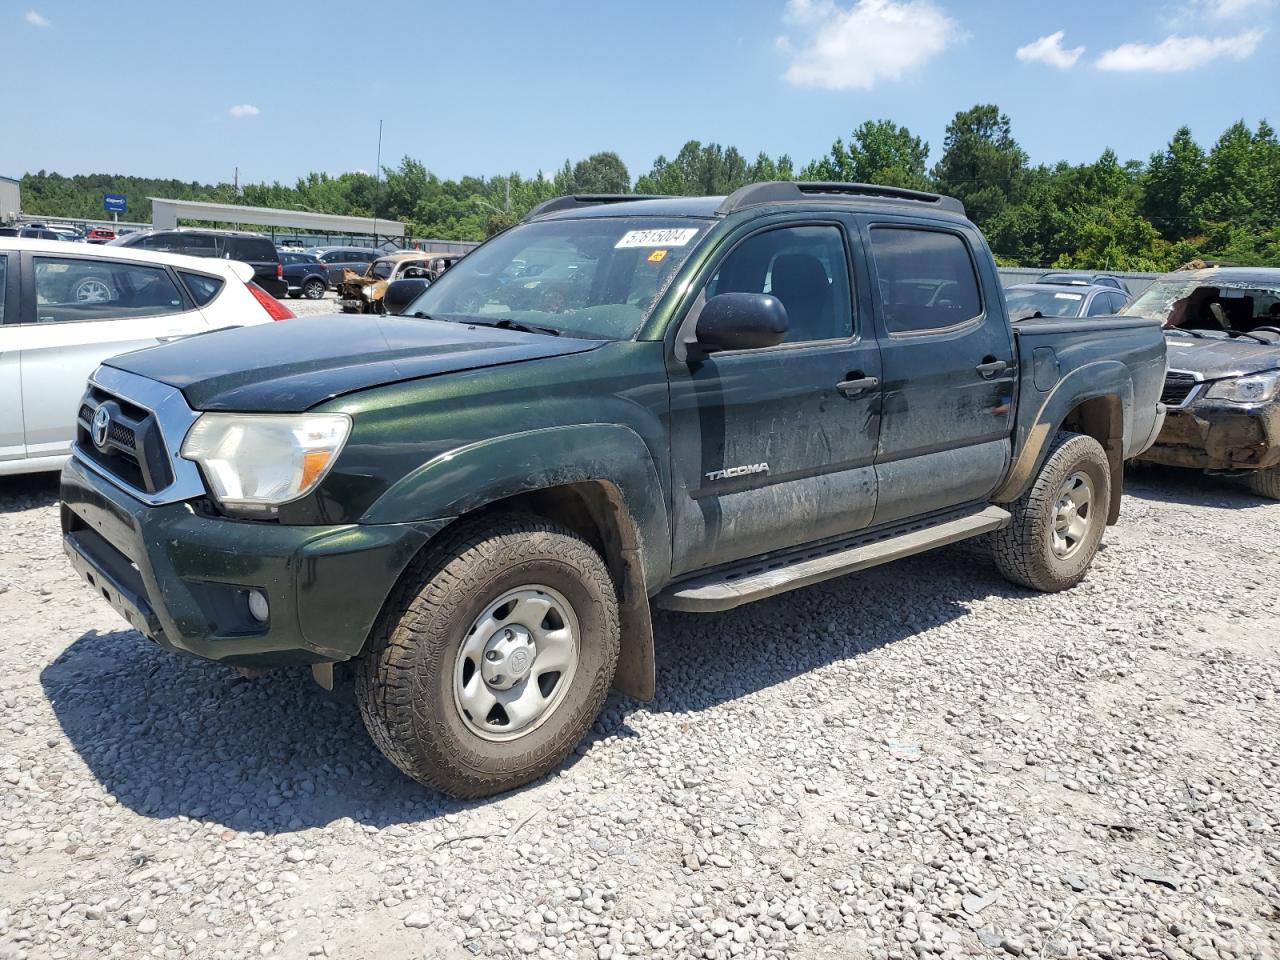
point(621, 402)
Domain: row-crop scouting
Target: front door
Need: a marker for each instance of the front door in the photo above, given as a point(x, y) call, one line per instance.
point(949, 372)
point(775, 447)
point(12, 445)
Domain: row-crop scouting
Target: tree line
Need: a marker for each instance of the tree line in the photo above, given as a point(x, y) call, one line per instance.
point(1184, 202)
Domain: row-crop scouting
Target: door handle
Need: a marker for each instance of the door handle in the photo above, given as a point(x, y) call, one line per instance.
point(991, 366)
point(857, 384)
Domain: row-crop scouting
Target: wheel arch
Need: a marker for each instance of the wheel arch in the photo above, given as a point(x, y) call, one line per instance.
point(597, 479)
point(1095, 400)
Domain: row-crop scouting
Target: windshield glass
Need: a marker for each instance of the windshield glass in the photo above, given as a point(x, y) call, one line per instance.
point(1215, 307)
point(596, 278)
point(381, 269)
point(1048, 303)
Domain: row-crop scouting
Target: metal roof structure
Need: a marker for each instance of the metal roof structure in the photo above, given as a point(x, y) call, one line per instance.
point(166, 213)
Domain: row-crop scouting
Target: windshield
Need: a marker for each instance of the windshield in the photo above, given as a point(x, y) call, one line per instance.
point(381, 269)
point(1048, 303)
point(1216, 306)
point(596, 278)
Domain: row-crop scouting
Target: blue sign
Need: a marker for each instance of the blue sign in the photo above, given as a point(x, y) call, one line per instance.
point(115, 203)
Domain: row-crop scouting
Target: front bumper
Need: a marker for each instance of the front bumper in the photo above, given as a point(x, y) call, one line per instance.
point(183, 578)
point(1217, 435)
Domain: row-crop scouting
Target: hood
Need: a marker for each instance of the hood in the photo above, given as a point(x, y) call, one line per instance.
point(1215, 359)
point(291, 366)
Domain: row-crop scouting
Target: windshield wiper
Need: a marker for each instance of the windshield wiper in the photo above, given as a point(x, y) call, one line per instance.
point(1187, 332)
point(1251, 336)
point(506, 323)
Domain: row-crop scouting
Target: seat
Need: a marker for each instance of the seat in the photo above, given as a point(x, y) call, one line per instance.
point(800, 281)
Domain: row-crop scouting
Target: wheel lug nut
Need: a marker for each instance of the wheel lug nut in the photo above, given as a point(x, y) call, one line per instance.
point(491, 656)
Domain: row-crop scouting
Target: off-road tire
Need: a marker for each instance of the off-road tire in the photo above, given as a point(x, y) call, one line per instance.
point(1266, 483)
point(1024, 549)
point(404, 678)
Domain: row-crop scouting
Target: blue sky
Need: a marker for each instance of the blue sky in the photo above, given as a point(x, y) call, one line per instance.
point(192, 90)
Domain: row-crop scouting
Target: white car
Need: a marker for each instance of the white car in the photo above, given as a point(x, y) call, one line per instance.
point(64, 309)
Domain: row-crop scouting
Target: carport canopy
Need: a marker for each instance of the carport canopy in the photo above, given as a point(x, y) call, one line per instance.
point(166, 213)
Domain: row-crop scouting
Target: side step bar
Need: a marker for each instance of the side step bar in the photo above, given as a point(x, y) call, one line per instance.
point(758, 579)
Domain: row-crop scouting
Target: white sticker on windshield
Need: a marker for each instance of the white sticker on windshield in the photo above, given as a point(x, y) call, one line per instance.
point(677, 237)
point(1068, 296)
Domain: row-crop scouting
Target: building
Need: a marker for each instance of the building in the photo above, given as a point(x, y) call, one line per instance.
point(10, 199)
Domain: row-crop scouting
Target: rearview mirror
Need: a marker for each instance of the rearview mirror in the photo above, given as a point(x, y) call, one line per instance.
point(400, 293)
point(741, 321)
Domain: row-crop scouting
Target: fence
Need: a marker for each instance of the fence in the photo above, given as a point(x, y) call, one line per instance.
point(1136, 282)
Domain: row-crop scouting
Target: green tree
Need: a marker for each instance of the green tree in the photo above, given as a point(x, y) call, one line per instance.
point(1173, 186)
point(982, 165)
point(601, 173)
point(879, 151)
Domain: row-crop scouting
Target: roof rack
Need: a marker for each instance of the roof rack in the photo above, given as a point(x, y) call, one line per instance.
point(588, 200)
point(790, 191)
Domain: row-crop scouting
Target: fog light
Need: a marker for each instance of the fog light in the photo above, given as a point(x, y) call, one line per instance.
point(258, 606)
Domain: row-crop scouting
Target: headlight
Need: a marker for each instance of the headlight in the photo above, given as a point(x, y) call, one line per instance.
point(256, 462)
point(1255, 388)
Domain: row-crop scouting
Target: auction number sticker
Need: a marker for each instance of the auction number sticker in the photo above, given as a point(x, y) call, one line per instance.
point(674, 237)
point(1068, 296)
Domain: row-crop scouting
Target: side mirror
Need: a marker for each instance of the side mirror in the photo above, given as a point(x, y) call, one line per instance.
point(741, 321)
point(400, 293)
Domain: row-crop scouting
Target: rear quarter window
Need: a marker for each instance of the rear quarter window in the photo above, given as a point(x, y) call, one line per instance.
point(252, 249)
point(202, 288)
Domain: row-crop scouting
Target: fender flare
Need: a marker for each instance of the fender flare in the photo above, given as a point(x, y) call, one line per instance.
point(1108, 380)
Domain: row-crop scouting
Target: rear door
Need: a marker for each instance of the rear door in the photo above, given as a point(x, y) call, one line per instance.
point(83, 311)
point(774, 447)
point(12, 445)
point(949, 368)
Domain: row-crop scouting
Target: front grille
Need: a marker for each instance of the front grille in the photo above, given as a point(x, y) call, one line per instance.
point(1178, 387)
point(133, 451)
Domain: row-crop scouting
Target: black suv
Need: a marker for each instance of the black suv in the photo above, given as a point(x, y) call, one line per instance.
point(254, 249)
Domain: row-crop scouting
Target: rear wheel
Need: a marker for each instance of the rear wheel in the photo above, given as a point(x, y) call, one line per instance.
point(1266, 483)
point(313, 289)
point(493, 657)
point(1058, 524)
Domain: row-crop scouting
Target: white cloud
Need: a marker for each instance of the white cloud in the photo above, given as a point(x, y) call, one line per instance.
point(1175, 54)
point(244, 110)
point(1229, 9)
point(34, 18)
point(1050, 50)
point(853, 48)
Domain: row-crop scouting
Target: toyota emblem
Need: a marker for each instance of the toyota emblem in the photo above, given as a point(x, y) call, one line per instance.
point(101, 425)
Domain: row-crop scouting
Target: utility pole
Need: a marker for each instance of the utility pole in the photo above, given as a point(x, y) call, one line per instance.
point(377, 186)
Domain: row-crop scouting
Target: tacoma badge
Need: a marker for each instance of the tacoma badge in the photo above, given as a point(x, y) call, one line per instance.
point(731, 472)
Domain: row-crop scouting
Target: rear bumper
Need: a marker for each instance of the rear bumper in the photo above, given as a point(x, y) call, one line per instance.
point(273, 285)
point(183, 579)
point(1219, 436)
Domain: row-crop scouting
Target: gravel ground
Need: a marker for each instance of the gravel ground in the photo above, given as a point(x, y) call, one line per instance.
point(917, 760)
point(309, 308)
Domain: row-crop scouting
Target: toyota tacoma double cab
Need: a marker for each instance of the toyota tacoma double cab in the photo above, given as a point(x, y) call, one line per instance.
point(620, 403)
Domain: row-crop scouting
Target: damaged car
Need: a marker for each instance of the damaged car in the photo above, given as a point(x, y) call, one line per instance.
point(1222, 389)
point(362, 293)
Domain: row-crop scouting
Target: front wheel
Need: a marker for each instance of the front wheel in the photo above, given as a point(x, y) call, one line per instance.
point(493, 656)
point(1266, 483)
point(1057, 525)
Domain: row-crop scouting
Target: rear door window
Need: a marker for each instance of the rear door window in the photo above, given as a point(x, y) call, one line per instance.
point(926, 279)
point(70, 289)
